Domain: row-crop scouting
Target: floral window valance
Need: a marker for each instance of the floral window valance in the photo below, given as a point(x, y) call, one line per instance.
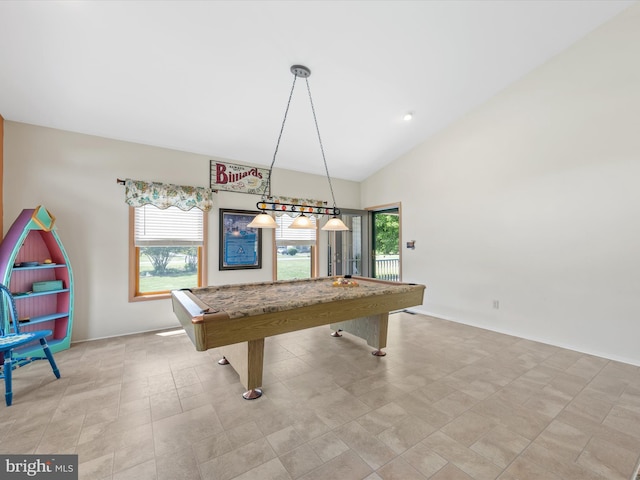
point(165, 195)
point(293, 205)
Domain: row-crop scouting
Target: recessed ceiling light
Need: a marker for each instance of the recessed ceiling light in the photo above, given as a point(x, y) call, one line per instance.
point(407, 117)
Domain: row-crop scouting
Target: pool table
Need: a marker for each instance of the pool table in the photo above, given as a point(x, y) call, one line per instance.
point(237, 318)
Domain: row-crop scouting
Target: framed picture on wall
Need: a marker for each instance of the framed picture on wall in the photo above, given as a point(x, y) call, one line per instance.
point(240, 246)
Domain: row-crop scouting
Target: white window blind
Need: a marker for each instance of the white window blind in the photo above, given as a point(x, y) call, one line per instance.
point(168, 227)
point(294, 236)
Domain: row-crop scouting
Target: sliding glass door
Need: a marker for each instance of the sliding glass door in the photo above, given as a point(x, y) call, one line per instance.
point(349, 249)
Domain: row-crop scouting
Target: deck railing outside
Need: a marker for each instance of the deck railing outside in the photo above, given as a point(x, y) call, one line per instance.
point(387, 268)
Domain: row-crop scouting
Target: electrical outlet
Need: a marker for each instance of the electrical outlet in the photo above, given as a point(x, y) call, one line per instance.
point(496, 304)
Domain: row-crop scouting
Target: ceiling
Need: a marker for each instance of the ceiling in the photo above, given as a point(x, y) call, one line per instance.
point(213, 78)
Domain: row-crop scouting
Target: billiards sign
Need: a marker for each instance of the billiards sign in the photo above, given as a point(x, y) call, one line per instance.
point(237, 178)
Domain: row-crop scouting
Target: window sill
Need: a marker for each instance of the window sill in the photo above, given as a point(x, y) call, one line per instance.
point(151, 296)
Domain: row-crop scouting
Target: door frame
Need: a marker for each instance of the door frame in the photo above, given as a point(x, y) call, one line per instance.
point(381, 208)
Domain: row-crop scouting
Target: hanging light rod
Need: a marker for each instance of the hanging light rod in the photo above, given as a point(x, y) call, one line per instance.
point(264, 220)
point(271, 206)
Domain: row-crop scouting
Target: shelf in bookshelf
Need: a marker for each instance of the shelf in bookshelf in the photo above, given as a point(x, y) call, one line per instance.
point(41, 266)
point(21, 295)
point(43, 318)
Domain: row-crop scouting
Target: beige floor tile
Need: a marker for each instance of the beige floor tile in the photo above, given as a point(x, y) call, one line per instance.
point(587, 366)
point(591, 404)
point(211, 447)
point(181, 464)
point(465, 459)
point(373, 476)
point(451, 472)
point(563, 439)
point(553, 462)
point(548, 402)
point(468, 427)
point(243, 434)
point(623, 419)
point(300, 460)
point(424, 459)
point(271, 470)
point(388, 392)
point(630, 398)
point(522, 468)
point(309, 424)
point(455, 403)
point(612, 386)
point(284, 440)
point(164, 404)
point(99, 467)
point(515, 417)
point(608, 459)
point(383, 417)
point(405, 434)
point(328, 446)
point(562, 359)
point(237, 461)
point(370, 449)
point(289, 368)
point(416, 405)
point(500, 445)
point(348, 466)
point(143, 471)
point(133, 446)
point(448, 401)
point(184, 428)
point(399, 469)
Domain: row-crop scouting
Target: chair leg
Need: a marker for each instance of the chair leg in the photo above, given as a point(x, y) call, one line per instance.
point(49, 355)
point(8, 396)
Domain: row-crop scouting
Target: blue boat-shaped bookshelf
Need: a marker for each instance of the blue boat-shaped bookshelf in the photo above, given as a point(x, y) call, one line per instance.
point(31, 253)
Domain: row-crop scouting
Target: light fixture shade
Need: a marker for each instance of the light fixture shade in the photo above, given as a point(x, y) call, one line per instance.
point(302, 222)
point(263, 220)
point(335, 224)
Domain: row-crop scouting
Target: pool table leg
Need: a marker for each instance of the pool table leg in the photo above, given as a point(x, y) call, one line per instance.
point(247, 359)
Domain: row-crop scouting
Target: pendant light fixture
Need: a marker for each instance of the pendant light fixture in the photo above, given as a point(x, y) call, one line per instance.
point(264, 220)
point(302, 222)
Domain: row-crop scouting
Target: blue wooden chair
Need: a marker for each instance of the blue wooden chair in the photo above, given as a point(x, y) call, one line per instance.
point(11, 338)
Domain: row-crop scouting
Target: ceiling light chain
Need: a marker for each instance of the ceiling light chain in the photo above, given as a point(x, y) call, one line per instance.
point(284, 120)
point(264, 220)
point(315, 120)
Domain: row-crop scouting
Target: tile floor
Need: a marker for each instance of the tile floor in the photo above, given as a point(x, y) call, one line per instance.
point(448, 402)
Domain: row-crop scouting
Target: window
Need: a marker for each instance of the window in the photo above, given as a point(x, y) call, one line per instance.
point(295, 250)
point(166, 250)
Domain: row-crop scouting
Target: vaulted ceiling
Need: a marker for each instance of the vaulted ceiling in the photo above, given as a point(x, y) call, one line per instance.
point(212, 77)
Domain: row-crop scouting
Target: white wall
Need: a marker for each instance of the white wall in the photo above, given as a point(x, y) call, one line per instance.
point(74, 177)
point(533, 200)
